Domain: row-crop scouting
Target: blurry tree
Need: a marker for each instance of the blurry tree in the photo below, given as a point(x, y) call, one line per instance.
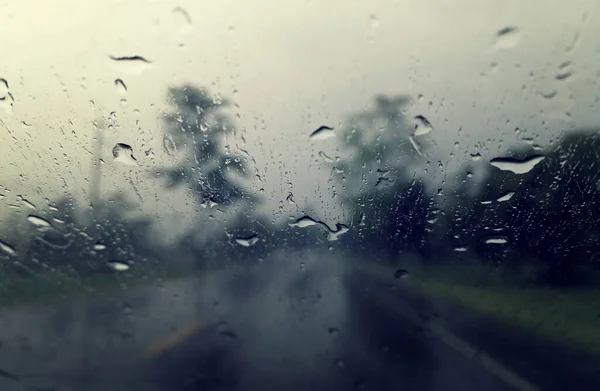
point(198, 125)
point(389, 203)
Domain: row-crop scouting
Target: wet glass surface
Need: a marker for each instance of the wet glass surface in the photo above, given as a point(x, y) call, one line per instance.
point(311, 195)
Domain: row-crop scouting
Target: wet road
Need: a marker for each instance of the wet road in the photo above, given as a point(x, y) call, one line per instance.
point(304, 323)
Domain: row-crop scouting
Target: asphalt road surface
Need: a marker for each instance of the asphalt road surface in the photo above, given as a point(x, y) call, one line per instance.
point(301, 322)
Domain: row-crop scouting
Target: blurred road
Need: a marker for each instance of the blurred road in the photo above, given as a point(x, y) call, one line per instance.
point(305, 322)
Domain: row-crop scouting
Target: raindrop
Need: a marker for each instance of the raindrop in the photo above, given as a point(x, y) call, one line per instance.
point(118, 265)
point(133, 65)
point(304, 222)
point(507, 38)
point(460, 249)
point(495, 240)
point(423, 126)
point(324, 132)
point(340, 230)
point(290, 198)
point(400, 273)
point(506, 196)
point(187, 21)
point(475, 156)
point(121, 87)
point(123, 153)
point(247, 241)
point(99, 246)
point(7, 248)
point(324, 156)
point(515, 165)
point(55, 239)
point(485, 202)
point(564, 71)
point(414, 144)
point(39, 222)
point(333, 330)
point(27, 203)
point(169, 145)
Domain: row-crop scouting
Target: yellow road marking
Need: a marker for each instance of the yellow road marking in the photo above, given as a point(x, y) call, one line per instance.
point(161, 346)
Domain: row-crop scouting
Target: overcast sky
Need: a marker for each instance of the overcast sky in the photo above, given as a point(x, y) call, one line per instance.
point(291, 66)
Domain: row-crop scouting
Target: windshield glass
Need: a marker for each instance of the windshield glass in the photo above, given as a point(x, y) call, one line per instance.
point(308, 195)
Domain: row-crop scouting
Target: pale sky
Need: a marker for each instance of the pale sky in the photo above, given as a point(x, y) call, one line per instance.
point(291, 66)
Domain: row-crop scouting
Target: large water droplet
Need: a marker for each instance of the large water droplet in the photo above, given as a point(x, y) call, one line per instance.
point(39, 222)
point(123, 153)
point(495, 240)
point(121, 87)
point(304, 222)
point(401, 273)
point(247, 241)
point(507, 38)
point(7, 248)
point(515, 165)
point(133, 65)
point(506, 196)
point(339, 231)
point(118, 265)
point(423, 126)
point(324, 132)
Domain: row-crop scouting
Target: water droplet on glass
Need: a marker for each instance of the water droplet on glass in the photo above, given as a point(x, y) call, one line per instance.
point(247, 241)
point(564, 71)
point(186, 25)
point(460, 249)
point(324, 132)
point(118, 265)
point(169, 145)
point(133, 65)
point(423, 126)
point(400, 273)
point(39, 222)
point(303, 222)
point(27, 203)
point(7, 248)
point(121, 87)
point(333, 330)
point(123, 153)
point(507, 38)
point(340, 230)
point(515, 165)
point(506, 196)
point(475, 156)
point(290, 198)
point(495, 240)
point(414, 144)
point(324, 156)
point(99, 246)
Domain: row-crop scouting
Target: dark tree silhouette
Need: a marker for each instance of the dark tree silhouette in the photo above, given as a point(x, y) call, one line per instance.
point(551, 223)
point(197, 125)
